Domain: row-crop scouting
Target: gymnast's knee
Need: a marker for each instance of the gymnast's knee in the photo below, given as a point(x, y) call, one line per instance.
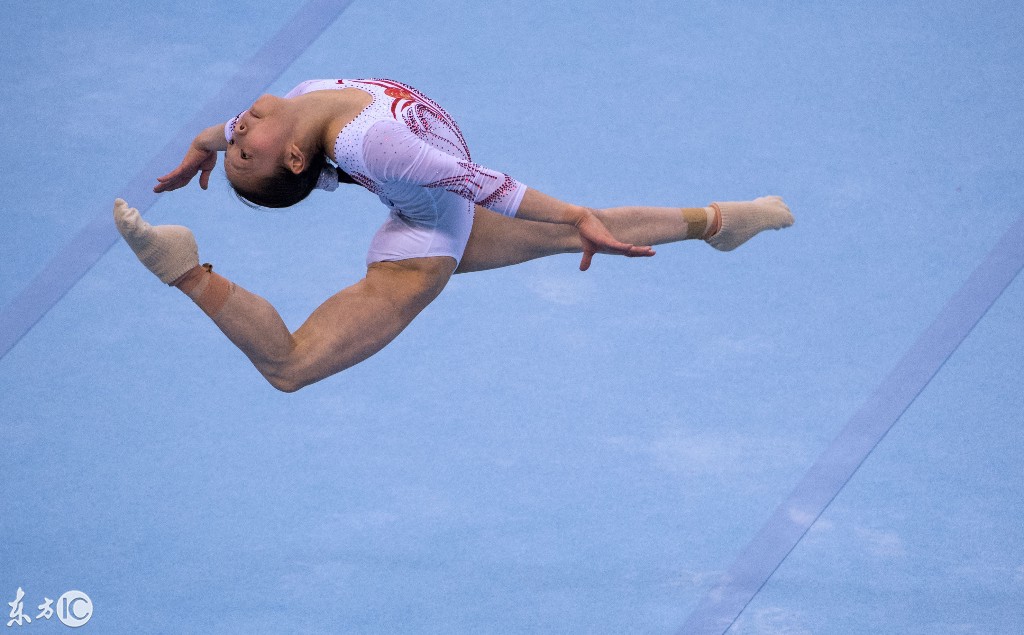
point(284, 383)
point(287, 376)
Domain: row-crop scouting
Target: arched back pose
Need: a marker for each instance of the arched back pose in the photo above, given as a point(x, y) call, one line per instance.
point(447, 215)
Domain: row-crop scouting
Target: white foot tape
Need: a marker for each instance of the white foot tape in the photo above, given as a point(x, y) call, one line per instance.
point(742, 220)
point(166, 250)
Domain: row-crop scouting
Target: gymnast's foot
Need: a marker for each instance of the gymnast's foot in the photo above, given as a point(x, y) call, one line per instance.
point(737, 222)
point(169, 251)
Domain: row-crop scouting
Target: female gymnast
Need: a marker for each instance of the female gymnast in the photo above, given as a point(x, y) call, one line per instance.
point(447, 215)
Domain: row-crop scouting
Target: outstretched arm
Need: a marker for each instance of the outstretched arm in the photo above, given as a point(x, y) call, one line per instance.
point(595, 237)
point(200, 158)
point(409, 159)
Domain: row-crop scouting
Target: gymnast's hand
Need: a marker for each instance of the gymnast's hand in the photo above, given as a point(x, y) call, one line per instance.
point(598, 240)
point(197, 159)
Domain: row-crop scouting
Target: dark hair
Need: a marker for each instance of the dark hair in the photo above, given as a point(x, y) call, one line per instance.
point(284, 188)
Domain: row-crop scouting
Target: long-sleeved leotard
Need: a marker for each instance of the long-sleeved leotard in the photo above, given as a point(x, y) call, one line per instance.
point(410, 152)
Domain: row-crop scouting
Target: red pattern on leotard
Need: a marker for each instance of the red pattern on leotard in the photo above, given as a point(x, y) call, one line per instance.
point(423, 116)
point(460, 185)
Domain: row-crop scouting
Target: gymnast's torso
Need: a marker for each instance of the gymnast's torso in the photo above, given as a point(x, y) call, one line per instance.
point(410, 152)
point(403, 143)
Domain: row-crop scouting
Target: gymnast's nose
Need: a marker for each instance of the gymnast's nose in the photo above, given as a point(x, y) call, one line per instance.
point(242, 125)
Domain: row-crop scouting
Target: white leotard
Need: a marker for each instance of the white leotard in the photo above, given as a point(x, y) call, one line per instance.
point(410, 152)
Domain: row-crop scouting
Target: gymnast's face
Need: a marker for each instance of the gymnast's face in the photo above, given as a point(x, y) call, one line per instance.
point(261, 143)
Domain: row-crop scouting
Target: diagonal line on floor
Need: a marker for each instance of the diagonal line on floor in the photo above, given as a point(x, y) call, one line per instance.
point(722, 605)
point(75, 258)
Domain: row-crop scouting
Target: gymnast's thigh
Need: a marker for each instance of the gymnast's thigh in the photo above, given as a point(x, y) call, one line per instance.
point(499, 241)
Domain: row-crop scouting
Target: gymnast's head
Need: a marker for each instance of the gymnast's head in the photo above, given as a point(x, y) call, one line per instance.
point(273, 159)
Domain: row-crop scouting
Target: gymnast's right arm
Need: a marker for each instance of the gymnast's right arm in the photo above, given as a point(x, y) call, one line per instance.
point(200, 158)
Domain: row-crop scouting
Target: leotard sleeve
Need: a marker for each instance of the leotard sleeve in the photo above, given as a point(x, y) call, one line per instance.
point(392, 152)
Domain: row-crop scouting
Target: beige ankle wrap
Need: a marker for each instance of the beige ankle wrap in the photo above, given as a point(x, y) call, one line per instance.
point(166, 250)
point(742, 220)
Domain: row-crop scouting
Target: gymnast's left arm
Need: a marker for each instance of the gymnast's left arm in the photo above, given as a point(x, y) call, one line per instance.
point(393, 153)
point(595, 237)
point(399, 155)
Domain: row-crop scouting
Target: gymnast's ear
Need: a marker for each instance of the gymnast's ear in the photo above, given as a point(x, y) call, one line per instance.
point(295, 159)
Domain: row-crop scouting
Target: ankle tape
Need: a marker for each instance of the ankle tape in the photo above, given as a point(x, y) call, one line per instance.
point(214, 295)
point(190, 279)
point(696, 222)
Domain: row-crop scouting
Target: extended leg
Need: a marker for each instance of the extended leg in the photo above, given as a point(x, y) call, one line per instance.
point(500, 241)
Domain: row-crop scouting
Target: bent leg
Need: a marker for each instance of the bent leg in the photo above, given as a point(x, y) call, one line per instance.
point(349, 327)
point(500, 241)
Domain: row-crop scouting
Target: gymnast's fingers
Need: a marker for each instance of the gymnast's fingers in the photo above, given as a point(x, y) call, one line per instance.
point(588, 257)
point(639, 252)
point(168, 183)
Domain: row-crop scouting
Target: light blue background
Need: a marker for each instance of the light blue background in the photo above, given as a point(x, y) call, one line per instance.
point(543, 450)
